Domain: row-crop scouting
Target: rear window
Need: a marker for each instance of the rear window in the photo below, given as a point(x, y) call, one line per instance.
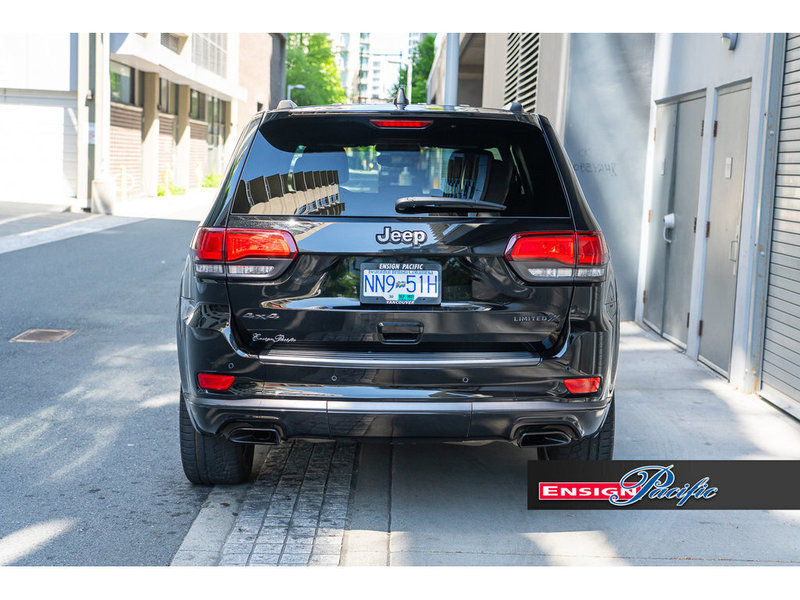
point(332, 166)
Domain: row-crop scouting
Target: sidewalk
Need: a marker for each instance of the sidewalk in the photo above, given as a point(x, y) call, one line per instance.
point(445, 504)
point(191, 206)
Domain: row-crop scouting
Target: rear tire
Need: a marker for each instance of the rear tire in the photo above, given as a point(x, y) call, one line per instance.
point(600, 446)
point(210, 459)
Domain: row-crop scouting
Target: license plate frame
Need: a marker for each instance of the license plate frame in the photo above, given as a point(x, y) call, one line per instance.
point(399, 269)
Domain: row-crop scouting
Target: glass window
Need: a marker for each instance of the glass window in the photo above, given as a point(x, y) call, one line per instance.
point(197, 105)
point(167, 96)
point(173, 42)
point(209, 50)
point(506, 163)
point(122, 78)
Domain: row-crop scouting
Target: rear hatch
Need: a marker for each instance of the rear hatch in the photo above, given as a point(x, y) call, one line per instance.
point(364, 239)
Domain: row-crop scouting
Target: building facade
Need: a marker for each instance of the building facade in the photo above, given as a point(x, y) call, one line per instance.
point(688, 149)
point(138, 113)
point(369, 63)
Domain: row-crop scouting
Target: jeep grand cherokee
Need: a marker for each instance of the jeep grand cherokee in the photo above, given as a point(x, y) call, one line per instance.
point(396, 273)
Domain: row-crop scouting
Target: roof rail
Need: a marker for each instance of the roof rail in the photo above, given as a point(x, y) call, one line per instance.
point(514, 107)
point(286, 104)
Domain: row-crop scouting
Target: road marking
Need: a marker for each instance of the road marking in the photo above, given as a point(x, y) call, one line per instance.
point(62, 231)
point(20, 217)
point(58, 226)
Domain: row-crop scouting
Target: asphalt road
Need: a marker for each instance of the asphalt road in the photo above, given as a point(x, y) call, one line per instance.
point(91, 473)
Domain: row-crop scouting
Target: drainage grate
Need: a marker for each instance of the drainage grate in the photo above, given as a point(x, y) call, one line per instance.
point(43, 335)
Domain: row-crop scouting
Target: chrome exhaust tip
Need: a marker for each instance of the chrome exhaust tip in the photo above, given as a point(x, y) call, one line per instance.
point(542, 438)
point(250, 435)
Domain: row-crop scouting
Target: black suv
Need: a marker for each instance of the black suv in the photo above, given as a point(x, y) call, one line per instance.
point(400, 273)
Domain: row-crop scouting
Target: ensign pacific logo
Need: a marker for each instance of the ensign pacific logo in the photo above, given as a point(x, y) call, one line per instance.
point(664, 485)
point(583, 490)
point(655, 482)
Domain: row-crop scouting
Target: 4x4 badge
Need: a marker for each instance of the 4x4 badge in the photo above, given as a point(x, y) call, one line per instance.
point(413, 236)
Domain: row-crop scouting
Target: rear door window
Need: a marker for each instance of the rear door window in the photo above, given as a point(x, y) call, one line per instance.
point(334, 166)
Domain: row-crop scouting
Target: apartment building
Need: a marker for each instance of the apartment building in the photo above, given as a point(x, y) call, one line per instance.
point(114, 116)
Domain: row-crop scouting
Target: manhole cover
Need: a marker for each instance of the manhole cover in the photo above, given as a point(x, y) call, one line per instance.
point(43, 335)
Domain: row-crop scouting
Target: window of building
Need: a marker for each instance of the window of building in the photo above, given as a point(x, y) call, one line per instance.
point(167, 96)
point(209, 50)
point(171, 41)
point(122, 83)
point(197, 105)
point(364, 36)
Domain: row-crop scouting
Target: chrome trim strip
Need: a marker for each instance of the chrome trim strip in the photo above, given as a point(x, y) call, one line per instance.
point(397, 360)
point(343, 406)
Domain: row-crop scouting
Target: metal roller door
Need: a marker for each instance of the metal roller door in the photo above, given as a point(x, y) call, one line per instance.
point(781, 367)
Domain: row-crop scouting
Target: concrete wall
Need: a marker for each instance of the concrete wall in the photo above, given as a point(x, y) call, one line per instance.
point(255, 58)
point(606, 133)
point(685, 63)
point(38, 61)
point(494, 74)
point(551, 92)
point(277, 69)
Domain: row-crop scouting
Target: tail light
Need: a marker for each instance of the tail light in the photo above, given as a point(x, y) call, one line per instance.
point(242, 252)
point(211, 381)
point(558, 256)
point(584, 385)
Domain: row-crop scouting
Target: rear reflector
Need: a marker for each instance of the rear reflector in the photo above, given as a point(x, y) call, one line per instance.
point(211, 381)
point(400, 123)
point(586, 385)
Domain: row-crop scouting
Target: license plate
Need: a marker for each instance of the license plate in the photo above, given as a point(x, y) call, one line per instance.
point(401, 283)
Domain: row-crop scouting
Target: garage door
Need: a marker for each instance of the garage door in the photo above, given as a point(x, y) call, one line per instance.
point(38, 155)
point(781, 368)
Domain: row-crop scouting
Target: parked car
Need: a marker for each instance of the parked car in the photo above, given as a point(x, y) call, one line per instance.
point(396, 272)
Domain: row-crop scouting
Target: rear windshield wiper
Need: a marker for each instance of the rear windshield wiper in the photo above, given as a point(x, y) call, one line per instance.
point(426, 203)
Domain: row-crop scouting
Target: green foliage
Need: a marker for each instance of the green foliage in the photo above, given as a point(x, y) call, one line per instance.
point(212, 180)
point(421, 63)
point(173, 189)
point(309, 61)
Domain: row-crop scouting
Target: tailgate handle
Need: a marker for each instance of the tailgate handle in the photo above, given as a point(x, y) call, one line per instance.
point(400, 332)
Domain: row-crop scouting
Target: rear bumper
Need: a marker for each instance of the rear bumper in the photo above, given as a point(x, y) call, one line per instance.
point(455, 420)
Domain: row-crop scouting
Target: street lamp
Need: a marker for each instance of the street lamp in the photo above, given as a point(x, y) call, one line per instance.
point(289, 89)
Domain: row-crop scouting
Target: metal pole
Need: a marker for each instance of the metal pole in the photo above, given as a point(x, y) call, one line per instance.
point(410, 66)
point(451, 70)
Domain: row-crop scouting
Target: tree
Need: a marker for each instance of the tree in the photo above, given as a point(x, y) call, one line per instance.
point(309, 61)
point(421, 63)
